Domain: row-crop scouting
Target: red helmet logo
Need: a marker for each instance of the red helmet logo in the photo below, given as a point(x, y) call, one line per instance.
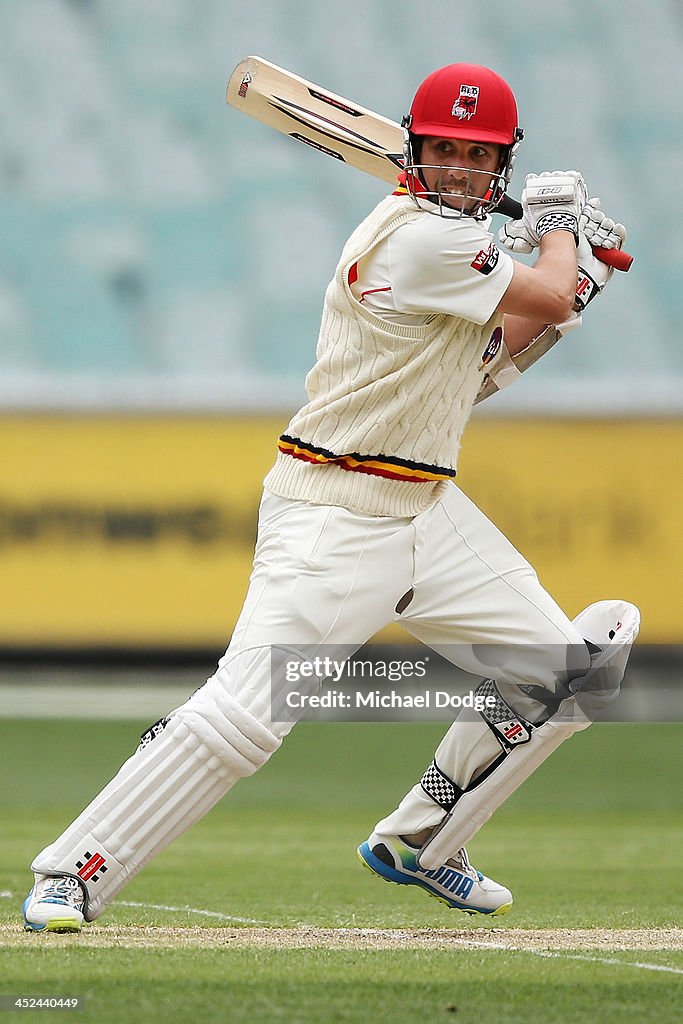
point(466, 104)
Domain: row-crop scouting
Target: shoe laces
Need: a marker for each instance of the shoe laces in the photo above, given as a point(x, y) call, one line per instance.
point(462, 861)
point(63, 890)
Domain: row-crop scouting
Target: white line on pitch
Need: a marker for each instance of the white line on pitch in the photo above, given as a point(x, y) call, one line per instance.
point(613, 962)
point(559, 954)
point(398, 934)
point(178, 910)
point(193, 910)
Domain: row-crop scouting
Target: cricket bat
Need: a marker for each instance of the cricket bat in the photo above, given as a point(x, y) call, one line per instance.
point(339, 128)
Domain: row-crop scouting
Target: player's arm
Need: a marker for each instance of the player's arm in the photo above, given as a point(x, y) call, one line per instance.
point(536, 299)
point(542, 294)
point(551, 206)
point(526, 340)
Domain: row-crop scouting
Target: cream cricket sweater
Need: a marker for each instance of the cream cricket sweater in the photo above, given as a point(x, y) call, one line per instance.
point(388, 402)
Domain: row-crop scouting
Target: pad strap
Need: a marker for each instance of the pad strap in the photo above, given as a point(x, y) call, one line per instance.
point(440, 788)
point(506, 725)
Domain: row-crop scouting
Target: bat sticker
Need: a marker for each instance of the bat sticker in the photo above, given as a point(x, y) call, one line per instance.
point(244, 85)
point(316, 145)
point(334, 102)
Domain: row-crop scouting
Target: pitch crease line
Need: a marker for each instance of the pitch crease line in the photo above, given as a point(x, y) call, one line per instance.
point(558, 954)
point(400, 934)
point(193, 910)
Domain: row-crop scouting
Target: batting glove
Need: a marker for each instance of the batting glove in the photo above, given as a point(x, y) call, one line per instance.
point(515, 237)
point(553, 201)
point(600, 229)
point(593, 274)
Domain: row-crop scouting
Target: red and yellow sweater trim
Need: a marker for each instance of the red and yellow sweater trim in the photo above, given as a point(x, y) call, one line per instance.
point(376, 465)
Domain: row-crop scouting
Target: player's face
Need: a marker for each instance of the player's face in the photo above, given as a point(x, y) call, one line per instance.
point(459, 169)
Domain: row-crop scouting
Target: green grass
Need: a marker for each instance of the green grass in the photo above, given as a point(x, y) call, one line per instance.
point(592, 840)
point(304, 986)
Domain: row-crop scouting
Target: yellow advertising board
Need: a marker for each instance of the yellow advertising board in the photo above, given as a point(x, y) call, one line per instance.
point(137, 531)
point(595, 505)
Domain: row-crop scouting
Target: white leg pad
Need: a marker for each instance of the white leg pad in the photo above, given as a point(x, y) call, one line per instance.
point(614, 626)
point(475, 806)
point(467, 748)
point(207, 745)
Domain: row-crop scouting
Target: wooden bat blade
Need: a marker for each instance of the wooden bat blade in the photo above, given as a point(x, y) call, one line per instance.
point(329, 123)
point(338, 127)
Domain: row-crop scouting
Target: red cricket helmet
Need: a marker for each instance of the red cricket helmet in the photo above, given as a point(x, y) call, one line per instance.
point(465, 101)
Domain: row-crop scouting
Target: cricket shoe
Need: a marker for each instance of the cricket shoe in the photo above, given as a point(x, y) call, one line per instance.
point(54, 904)
point(456, 883)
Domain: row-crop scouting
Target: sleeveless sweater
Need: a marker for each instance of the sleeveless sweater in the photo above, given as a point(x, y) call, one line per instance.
point(388, 403)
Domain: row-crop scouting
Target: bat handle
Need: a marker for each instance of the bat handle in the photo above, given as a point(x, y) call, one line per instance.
point(616, 258)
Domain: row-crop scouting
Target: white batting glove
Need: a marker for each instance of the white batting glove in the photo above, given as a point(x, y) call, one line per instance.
point(600, 229)
point(593, 274)
point(515, 237)
point(553, 201)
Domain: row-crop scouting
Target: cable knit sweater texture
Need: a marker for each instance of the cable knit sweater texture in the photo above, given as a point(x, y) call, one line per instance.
point(388, 403)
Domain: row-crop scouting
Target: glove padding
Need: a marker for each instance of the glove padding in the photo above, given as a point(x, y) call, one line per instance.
point(553, 201)
point(600, 229)
point(595, 225)
point(595, 229)
point(593, 274)
point(515, 237)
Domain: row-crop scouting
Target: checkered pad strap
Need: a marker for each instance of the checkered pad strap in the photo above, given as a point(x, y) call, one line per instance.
point(558, 221)
point(509, 729)
point(440, 788)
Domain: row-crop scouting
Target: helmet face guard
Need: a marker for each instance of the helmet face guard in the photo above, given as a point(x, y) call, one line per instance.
point(469, 102)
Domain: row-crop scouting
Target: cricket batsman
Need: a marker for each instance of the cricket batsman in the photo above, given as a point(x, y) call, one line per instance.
point(362, 524)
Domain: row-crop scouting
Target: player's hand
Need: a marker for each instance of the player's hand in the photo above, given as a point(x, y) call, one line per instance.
point(515, 237)
point(600, 229)
point(553, 201)
point(593, 274)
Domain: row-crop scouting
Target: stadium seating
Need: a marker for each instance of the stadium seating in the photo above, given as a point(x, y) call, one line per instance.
point(157, 249)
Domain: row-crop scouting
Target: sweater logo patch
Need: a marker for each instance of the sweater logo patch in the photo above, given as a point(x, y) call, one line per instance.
point(493, 347)
point(486, 259)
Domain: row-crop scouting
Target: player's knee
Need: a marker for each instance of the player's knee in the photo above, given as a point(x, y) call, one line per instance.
point(550, 665)
point(230, 728)
point(229, 717)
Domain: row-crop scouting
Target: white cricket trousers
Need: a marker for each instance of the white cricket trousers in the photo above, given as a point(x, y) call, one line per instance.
point(325, 575)
point(328, 576)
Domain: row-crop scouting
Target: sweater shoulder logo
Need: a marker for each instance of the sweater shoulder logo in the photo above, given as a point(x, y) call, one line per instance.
point(486, 259)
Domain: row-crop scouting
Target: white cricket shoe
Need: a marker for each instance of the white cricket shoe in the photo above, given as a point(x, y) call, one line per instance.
point(456, 883)
point(54, 904)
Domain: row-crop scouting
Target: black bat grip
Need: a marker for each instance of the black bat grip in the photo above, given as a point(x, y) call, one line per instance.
point(509, 207)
